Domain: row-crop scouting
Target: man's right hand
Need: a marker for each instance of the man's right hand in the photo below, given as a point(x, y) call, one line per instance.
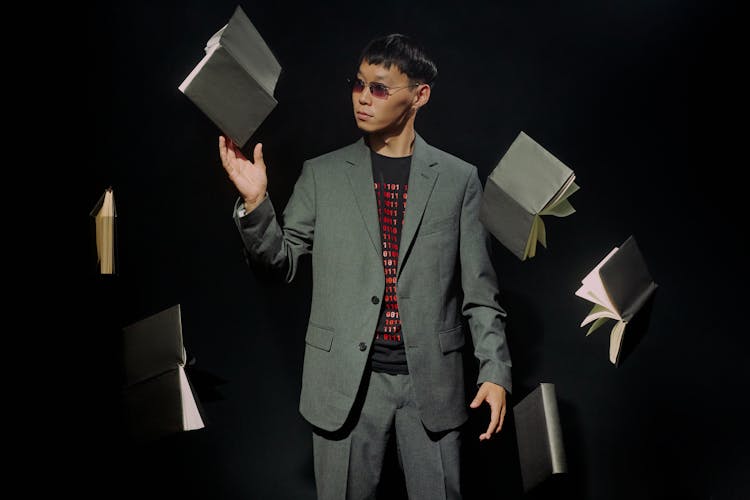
point(249, 178)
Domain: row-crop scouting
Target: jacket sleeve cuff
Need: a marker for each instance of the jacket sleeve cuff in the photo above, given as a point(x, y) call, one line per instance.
point(499, 375)
point(246, 219)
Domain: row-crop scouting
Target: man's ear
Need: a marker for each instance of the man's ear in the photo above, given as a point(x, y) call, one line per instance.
point(421, 96)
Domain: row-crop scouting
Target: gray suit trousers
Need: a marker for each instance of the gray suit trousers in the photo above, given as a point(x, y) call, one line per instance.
point(348, 462)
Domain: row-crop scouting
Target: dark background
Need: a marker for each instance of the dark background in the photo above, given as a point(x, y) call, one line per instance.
point(633, 96)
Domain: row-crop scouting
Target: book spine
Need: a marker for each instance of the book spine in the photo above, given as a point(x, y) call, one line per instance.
point(554, 431)
point(636, 306)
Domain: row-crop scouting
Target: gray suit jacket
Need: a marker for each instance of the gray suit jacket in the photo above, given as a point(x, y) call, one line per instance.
point(444, 271)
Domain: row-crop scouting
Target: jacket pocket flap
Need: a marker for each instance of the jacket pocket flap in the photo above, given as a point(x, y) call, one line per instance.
point(434, 226)
point(319, 337)
point(451, 340)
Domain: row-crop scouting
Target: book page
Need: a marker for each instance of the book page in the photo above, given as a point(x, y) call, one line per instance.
point(595, 325)
point(191, 417)
point(541, 235)
point(105, 231)
point(593, 297)
point(559, 206)
point(215, 40)
point(538, 233)
point(530, 250)
point(615, 341)
point(598, 314)
point(592, 288)
point(563, 208)
point(211, 46)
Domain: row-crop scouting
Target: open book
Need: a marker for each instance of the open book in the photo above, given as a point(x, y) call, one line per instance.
point(104, 214)
point(158, 397)
point(619, 286)
point(540, 444)
point(234, 82)
point(528, 183)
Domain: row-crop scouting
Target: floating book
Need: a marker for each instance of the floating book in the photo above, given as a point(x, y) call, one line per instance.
point(540, 445)
point(234, 82)
point(619, 286)
point(104, 214)
point(158, 397)
point(527, 183)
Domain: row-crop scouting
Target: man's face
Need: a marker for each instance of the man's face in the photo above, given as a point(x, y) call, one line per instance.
point(374, 114)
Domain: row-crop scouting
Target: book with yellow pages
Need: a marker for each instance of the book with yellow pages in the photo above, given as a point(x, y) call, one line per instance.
point(104, 214)
point(529, 182)
point(619, 286)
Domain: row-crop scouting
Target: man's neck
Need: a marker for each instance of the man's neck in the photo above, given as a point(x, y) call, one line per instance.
point(394, 145)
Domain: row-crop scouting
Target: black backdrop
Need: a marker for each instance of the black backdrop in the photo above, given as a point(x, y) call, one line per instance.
point(616, 90)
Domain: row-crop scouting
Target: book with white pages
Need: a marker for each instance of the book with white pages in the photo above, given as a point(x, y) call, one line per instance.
point(233, 84)
point(158, 396)
point(618, 286)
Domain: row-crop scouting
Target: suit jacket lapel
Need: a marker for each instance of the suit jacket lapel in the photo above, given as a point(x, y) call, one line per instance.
point(422, 178)
point(360, 178)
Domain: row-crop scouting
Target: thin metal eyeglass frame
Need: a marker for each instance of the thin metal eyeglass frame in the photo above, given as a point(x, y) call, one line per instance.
point(379, 87)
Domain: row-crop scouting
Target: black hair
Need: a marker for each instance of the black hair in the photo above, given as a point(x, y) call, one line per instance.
point(401, 51)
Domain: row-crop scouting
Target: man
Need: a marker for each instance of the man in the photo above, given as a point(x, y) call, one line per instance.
point(398, 255)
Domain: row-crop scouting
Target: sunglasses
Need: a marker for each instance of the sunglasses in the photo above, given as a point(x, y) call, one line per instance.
point(376, 89)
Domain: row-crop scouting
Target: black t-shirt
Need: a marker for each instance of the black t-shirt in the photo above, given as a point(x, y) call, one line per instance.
point(391, 177)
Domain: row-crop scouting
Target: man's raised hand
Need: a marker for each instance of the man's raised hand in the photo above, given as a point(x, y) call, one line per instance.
point(248, 177)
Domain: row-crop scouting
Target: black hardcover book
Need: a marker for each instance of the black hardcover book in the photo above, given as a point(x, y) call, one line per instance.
point(234, 82)
point(540, 444)
point(619, 286)
point(158, 398)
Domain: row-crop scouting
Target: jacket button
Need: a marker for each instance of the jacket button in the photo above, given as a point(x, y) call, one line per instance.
point(362, 346)
point(375, 300)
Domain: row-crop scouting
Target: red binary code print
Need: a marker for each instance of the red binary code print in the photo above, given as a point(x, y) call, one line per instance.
point(391, 200)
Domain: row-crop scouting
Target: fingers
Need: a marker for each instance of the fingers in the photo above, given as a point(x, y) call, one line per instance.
point(234, 161)
point(494, 396)
point(258, 155)
point(502, 419)
point(231, 152)
point(226, 153)
point(494, 418)
point(481, 394)
point(223, 151)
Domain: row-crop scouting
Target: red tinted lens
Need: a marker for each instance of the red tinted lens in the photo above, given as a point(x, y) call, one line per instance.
point(357, 85)
point(379, 90)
